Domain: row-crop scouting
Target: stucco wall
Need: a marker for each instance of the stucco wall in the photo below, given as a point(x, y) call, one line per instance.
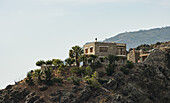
point(111, 49)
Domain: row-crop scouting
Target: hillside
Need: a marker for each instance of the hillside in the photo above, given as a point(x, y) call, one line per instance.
point(138, 83)
point(133, 39)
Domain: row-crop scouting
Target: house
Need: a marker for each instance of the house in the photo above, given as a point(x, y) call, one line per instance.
point(134, 56)
point(137, 56)
point(103, 49)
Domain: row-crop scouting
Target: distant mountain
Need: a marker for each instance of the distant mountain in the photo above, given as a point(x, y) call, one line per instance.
point(133, 39)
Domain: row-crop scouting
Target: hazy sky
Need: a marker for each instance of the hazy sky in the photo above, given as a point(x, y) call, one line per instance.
point(31, 30)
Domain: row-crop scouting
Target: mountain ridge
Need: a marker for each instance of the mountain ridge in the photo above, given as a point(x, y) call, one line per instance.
point(136, 38)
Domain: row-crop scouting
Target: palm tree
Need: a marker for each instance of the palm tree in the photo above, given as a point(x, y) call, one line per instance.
point(75, 53)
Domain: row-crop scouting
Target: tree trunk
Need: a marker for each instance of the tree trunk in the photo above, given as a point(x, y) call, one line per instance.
point(77, 63)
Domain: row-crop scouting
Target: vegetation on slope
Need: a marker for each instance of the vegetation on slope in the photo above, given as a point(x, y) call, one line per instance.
point(113, 83)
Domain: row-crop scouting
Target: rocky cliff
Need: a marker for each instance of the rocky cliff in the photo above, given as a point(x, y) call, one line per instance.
point(144, 84)
point(159, 58)
point(147, 82)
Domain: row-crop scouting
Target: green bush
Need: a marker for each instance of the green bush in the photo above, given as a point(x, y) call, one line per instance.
point(40, 63)
point(48, 76)
point(38, 73)
point(110, 69)
point(57, 80)
point(75, 70)
point(95, 65)
point(129, 64)
point(78, 70)
point(94, 83)
point(102, 81)
point(61, 67)
point(88, 71)
point(101, 73)
point(95, 75)
point(69, 61)
point(125, 70)
point(29, 79)
point(57, 62)
point(48, 62)
point(112, 58)
point(75, 80)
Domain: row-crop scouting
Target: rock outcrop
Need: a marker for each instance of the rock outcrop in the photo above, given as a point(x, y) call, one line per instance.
point(159, 58)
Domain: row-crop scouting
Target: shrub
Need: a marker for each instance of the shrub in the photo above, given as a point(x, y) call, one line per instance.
point(95, 65)
point(38, 73)
point(110, 69)
point(88, 71)
point(102, 81)
point(75, 80)
point(101, 73)
point(69, 61)
point(86, 77)
point(29, 79)
point(112, 58)
point(57, 80)
point(40, 63)
point(48, 62)
point(89, 60)
point(48, 76)
point(125, 70)
point(129, 64)
point(95, 75)
point(75, 70)
point(78, 70)
point(57, 62)
point(94, 83)
point(61, 67)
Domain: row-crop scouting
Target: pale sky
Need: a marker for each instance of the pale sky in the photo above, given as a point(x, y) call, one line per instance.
point(31, 30)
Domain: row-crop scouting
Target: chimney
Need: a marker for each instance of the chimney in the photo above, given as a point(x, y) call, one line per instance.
point(96, 39)
point(133, 50)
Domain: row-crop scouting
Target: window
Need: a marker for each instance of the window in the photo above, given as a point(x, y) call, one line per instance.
point(121, 51)
point(103, 49)
point(86, 50)
point(91, 49)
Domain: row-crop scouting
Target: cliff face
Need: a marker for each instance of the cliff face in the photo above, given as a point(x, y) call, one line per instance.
point(159, 58)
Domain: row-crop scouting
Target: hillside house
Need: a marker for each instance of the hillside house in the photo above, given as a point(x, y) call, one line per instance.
point(137, 56)
point(103, 49)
